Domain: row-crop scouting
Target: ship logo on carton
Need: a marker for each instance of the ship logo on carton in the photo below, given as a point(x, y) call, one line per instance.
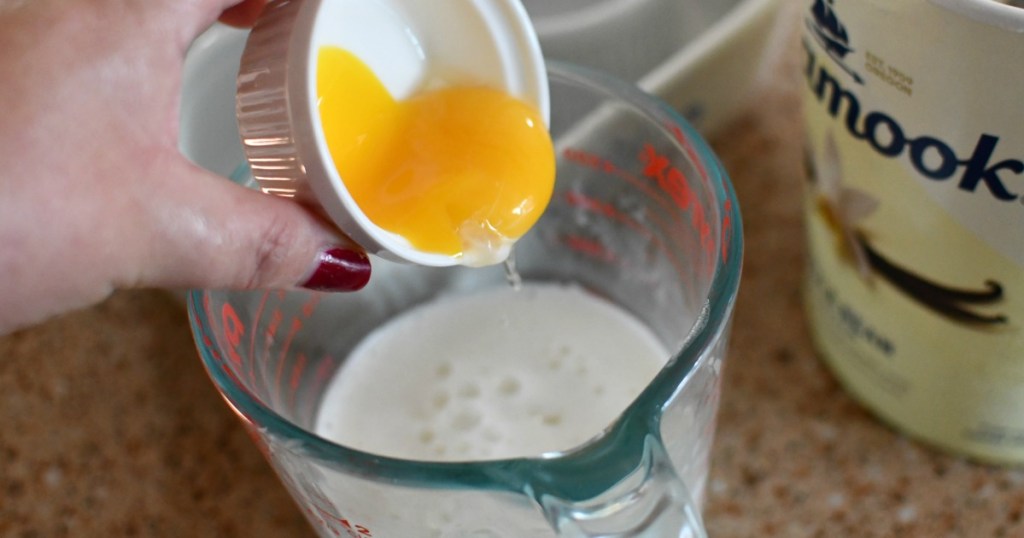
point(830, 33)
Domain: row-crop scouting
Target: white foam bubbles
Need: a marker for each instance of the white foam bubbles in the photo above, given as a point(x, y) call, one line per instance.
point(502, 373)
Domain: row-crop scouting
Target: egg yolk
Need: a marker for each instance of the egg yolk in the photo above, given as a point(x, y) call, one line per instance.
point(452, 170)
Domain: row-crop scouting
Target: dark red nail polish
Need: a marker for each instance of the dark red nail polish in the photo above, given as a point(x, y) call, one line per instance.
point(340, 269)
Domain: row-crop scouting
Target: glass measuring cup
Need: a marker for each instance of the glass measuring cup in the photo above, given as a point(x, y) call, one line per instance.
point(642, 215)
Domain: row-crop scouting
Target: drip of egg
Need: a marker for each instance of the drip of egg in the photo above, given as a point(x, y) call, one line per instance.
point(461, 171)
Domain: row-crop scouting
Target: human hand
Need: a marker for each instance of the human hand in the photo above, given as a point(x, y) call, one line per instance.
point(94, 194)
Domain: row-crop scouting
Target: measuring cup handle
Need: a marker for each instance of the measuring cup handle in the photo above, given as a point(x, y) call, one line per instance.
point(652, 502)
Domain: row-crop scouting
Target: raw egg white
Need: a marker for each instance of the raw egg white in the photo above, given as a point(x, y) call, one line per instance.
point(461, 171)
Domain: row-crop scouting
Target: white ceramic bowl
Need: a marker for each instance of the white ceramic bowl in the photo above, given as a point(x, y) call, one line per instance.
point(407, 44)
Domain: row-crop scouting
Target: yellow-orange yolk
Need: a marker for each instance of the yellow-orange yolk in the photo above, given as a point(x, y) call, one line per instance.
point(450, 170)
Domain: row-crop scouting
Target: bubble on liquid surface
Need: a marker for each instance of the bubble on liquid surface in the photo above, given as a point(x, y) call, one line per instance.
point(552, 419)
point(469, 391)
point(509, 386)
point(466, 421)
point(440, 400)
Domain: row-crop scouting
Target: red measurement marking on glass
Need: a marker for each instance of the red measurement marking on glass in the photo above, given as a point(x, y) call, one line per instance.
point(589, 247)
point(233, 332)
point(596, 162)
point(727, 213)
point(276, 317)
point(324, 510)
point(599, 251)
point(361, 530)
point(337, 526)
point(604, 208)
point(297, 369)
point(293, 383)
point(578, 199)
point(285, 347)
point(673, 181)
point(324, 372)
point(252, 340)
point(310, 305)
point(680, 137)
point(208, 345)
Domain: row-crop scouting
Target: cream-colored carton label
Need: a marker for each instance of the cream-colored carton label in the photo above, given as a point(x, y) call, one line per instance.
point(915, 213)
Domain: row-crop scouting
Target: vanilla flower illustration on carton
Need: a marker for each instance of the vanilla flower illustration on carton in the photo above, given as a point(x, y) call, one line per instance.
point(843, 209)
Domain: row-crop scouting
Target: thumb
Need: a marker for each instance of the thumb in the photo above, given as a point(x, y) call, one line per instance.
point(207, 232)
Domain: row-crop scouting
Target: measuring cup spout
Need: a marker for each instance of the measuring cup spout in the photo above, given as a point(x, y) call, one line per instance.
point(650, 502)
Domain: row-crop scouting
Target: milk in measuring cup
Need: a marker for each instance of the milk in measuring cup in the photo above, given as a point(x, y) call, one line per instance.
point(498, 374)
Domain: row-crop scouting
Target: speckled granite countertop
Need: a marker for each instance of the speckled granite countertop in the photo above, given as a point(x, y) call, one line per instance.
point(111, 428)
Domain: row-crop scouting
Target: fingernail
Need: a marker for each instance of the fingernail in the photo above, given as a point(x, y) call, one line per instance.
point(340, 269)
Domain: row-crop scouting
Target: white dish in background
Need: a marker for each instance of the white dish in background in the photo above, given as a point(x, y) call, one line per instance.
point(712, 79)
point(627, 38)
point(703, 57)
